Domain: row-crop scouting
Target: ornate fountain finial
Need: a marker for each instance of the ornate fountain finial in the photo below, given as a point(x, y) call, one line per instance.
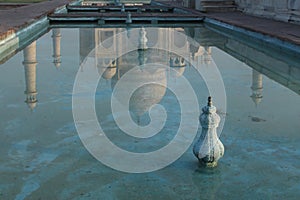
point(128, 19)
point(209, 149)
point(209, 102)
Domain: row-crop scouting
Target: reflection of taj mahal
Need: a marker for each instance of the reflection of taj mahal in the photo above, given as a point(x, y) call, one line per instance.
point(110, 59)
point(112, 63)
point(105, 52)
point(113, 47)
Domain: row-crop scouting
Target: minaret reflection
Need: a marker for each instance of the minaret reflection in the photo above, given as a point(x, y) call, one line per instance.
point(30, 74)
point(257, 87)
point(56, 36)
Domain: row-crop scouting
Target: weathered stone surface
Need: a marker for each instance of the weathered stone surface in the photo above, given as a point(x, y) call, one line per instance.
point(283, 10)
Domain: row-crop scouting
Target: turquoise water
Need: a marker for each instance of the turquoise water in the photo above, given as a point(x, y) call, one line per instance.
point(42, 156)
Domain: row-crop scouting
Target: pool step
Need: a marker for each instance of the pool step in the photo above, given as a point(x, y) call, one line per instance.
point(146, 14)
point(122, 18)
point(217, 6)
point(145, 8)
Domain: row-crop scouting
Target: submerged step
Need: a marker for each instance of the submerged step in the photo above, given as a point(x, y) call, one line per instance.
point(217, 2)
point(218, 6)
point(119, 8)
point(219, 9)
point(123, 20)
point(104, 18)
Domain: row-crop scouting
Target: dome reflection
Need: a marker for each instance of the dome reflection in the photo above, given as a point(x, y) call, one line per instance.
point(152, 77)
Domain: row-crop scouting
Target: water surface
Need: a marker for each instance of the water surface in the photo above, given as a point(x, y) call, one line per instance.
point(42, 156)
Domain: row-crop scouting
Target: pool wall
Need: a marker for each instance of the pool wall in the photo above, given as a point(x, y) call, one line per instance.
point(273, 42)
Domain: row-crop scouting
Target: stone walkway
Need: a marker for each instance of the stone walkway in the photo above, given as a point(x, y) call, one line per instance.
point(282, 30)
point(14, 19)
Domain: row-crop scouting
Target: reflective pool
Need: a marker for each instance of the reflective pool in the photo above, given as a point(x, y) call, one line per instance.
point(42, 156)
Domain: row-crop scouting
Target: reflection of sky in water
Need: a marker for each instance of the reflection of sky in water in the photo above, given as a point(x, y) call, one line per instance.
point(41, 150)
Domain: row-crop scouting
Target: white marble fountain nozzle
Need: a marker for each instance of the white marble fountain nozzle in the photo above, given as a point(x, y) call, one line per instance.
point(208, 148)
point(128, 19)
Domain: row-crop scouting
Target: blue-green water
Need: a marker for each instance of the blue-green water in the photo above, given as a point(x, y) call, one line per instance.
point(42, 156)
